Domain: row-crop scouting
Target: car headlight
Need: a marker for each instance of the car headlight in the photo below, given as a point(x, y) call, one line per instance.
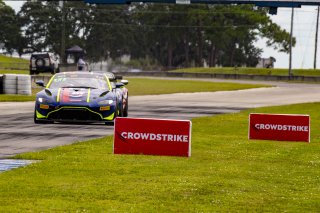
point(105, 102)
point(44, 100)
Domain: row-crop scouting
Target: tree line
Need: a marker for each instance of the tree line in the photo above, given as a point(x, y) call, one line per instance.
point(162, 34)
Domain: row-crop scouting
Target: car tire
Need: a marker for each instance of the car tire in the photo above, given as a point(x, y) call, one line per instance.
point(40, 62)
point(120, 114)
point(125, 112)
point(116, 112)
point(109, 123)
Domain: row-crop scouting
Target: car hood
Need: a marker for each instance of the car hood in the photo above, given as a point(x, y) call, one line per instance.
point(77, 95)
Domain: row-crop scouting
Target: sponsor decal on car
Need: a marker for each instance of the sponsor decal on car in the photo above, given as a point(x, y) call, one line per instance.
point(77, 94)
point(104, 108)
point(44, 106)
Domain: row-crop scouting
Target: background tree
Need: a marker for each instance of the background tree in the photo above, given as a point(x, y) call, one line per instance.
point(35, 19)
point(166, 34)
point(9, 30)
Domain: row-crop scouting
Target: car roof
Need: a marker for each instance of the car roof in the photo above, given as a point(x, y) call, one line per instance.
point(80, 74)
point(110, 75)
point(40, 53)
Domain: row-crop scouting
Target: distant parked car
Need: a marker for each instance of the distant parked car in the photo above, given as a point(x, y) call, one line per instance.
point(266, 62)
point(43, 62)
point(134, 70)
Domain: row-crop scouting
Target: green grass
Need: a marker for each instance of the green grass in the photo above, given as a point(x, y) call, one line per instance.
point(251, 71)
point(20, 98)
point(149, 86)
point(143, 86)
point(7, 59)
point(25, 72)
point(17, 98)
point(12, 64)
point(226, 173)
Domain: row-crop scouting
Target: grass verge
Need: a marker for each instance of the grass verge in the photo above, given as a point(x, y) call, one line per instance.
point(149, 86)
point(8, 59)
point(143, 86)
point(24, 72)
point(17, 98)
point(226, 172)
point(251, 71)
point(12, 64)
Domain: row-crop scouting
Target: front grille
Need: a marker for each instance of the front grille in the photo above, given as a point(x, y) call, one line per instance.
point(74, 114)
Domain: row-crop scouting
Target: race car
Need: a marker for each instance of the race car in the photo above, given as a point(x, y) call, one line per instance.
point(78, 97)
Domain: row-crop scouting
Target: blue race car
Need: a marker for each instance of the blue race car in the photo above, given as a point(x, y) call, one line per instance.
point(77, 97)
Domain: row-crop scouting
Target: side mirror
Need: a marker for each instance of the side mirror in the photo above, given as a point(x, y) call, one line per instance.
point(119, 85)
point(40, 83)
point(125, 82)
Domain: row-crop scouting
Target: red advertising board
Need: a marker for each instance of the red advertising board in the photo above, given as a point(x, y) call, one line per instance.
point(152, 137)
point(280, 127)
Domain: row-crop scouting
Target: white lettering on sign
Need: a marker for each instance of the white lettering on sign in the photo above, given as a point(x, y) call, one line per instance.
point(155, 137)
point(292, 128)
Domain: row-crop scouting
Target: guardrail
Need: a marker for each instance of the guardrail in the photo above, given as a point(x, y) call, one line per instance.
point(206, 75)
point(224, 76)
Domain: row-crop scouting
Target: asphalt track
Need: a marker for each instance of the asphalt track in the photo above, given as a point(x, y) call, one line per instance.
point(18, 133)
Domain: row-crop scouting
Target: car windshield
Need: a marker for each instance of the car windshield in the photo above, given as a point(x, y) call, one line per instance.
point(79, 81)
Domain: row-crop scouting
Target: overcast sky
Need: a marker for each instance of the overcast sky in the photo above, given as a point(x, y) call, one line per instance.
point(304, 30)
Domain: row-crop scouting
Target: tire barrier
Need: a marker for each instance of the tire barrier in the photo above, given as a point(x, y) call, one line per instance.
point(24, 85)
point(17, 84)
point(10, 84)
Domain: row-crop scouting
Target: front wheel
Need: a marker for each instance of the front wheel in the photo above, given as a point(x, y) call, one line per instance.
point(109, 123)
point(120, 114)
point(125, 112)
